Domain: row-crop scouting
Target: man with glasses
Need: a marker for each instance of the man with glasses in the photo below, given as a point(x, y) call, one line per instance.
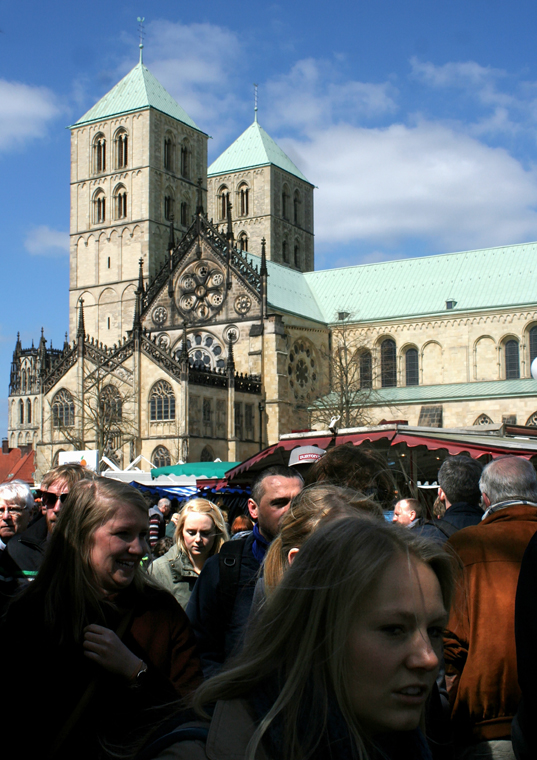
point(26, 550)
point(16, 505)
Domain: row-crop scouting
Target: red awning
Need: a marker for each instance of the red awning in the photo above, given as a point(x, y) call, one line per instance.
point(474, 445)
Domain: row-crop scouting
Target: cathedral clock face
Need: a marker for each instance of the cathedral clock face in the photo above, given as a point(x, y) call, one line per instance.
point(201, 291)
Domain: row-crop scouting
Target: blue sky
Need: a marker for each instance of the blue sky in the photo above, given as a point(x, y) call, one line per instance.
point(417, 121)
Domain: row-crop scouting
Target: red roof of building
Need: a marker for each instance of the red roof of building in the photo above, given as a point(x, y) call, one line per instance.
point(16, 465)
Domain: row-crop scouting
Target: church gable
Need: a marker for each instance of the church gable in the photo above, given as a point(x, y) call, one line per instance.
point(206, 282)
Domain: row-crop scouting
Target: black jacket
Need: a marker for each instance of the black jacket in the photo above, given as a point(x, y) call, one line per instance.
point(27, 549)
point(218, 630)
point(462, 515)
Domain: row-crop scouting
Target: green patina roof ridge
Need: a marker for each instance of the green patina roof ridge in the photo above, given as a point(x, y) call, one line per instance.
point(137, 90)
point(253, 148)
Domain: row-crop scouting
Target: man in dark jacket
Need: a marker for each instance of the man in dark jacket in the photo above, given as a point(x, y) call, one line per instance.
point(458, 480)
point(220, 602)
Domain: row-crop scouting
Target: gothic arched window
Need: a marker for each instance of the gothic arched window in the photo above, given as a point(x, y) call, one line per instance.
point(243, 241)
point(184, 160)
point(285, 253)
point(120, 202)
point(99, 153)
point(512, 362)
point(244, 200)
point(168, 153)
point(169, 204)
point(184, 214)
point(388, 367)
point(161, 457)
point(28, 410)
point(122, 149)
point(285, 202)
point(533, 344)
point(111, 404)
point(412, 375)
point(483, 419)
point(162, 402)
point(366, 370)
point(296, 207)
point(224, 202)
point(63, 409)
point(99, 207)
point(207, 454)
point(297, 256)
point(21, 412)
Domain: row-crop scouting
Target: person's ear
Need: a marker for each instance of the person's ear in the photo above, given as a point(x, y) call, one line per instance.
point(412, 515)
point(252, 509)
point(486, 500)
point(441, 495)
point(292, 554)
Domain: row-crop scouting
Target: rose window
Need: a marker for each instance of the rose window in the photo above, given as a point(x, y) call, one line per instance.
point(204, 351)
point(201, 291)
point(302, 371)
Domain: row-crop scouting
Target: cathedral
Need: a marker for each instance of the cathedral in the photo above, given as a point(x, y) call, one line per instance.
point(199, 328)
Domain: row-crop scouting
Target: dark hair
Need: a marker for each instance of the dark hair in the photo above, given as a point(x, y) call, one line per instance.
point(277, 470)
point(363, 470)
point(458, 477)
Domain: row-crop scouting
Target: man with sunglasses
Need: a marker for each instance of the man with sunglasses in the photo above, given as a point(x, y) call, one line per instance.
point(26, 549)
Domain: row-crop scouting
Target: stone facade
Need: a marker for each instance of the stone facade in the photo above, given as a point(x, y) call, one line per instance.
point(190, 335)
point(130, 176)
point(267, 203)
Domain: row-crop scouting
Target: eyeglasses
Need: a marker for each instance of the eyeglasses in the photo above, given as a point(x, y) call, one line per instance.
point(50, 499)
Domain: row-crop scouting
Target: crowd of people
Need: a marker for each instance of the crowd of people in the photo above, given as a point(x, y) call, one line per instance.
point(318, 630)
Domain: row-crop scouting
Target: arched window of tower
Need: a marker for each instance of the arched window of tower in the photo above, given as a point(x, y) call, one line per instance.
point(244, 199)
point(99, 153)
point(99, 207)
point(243, 241)
point(120, 202)
point(121, 142)
point(223, 198)
point(296, 207)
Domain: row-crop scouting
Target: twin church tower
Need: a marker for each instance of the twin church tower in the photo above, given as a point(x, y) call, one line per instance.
point(138, 162)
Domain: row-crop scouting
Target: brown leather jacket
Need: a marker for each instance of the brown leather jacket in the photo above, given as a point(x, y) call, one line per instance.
point(480, 650)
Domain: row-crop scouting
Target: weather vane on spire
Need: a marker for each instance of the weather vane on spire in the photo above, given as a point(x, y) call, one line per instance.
point(141, 20)
point(255, 101)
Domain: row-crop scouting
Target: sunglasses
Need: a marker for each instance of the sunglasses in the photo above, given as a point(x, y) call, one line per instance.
point(49, 499)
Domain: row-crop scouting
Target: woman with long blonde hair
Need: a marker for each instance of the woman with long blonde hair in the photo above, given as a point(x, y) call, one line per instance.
point(341, 659)
point(199, 533)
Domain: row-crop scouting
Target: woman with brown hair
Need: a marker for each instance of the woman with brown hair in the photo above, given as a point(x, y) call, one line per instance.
point(100, 641)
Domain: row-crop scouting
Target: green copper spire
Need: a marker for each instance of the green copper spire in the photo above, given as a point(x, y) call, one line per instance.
point(253, 148)
point(137, 91)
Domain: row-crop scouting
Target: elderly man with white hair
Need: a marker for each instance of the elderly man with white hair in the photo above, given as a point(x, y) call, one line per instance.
point(16, 508)
point(16, 505)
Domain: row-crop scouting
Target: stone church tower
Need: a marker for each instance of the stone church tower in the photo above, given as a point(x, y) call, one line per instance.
point(270, 198)
point(136, 158)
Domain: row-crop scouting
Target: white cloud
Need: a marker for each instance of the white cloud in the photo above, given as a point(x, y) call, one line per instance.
point(42, 241)
point(197, 64)
point(25, 112)
point(454, 74)
point(313, 94)
point(427, 182)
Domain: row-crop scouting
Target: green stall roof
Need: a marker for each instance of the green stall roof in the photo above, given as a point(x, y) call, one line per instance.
point(198, 469)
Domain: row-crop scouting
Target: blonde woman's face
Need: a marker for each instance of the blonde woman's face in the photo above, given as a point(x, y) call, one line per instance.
point(199, 534)
point(395, 647)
